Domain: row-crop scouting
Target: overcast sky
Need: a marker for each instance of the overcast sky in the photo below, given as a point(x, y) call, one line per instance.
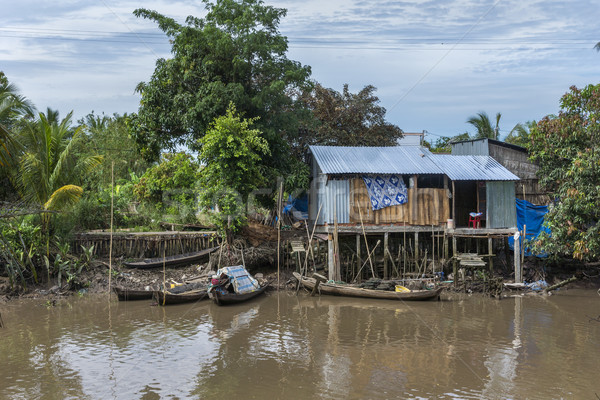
point(434, 63)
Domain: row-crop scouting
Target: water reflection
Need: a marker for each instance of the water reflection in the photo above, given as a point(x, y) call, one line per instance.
point(284, 346)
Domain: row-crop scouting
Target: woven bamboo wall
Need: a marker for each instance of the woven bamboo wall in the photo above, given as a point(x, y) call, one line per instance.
point(424, 207)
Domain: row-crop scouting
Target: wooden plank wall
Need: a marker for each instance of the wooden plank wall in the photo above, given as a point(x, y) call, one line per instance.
point(424, 207)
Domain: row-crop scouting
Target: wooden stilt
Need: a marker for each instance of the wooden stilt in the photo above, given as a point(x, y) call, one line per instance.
point(386, 251)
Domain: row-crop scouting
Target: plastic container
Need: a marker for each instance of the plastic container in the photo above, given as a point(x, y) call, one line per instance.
point(402, 289)
point(450, 224)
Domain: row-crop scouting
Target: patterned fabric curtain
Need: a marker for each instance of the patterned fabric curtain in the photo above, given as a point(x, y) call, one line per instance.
point(385, 190)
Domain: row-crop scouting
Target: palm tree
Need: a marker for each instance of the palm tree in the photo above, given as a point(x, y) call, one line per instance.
point(48, 168)
point(484, 128)
point(520, 134)
point(13, 107)
point(597, 46)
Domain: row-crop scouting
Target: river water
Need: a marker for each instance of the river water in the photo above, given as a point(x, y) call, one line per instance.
point(283, 346)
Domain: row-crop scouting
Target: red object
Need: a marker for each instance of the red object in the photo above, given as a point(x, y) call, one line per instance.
point(475, 220)
point(214, 281)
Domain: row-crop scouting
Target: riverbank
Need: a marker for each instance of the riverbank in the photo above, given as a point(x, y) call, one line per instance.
point(95, 279)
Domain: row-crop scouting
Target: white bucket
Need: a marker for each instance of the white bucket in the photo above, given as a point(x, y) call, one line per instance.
point(450, 224)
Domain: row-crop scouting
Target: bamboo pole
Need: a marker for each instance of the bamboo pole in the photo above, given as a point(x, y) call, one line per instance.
point(366, 243)
point(112, 196)
point(279, 201)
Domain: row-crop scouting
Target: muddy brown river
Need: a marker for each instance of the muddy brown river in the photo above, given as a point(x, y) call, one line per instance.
point(283, 346)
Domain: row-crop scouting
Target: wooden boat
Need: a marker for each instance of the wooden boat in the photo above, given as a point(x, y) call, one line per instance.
point(164, 298)
point(171, 261)
point(125, 294)
point(233, 298)
point(352, 291)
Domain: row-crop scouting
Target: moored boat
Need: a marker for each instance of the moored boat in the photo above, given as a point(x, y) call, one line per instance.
point(126, 294)
point(171, 261)
point(353, 291)
point(233, 298)
point(164, 297)
point(234, 285)
point(182, 294)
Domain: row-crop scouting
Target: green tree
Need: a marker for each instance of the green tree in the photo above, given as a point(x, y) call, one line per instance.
point(48, 170)
point(566, 148)
point(443, 144)
point(110, 137)
point(231, 152)
point(483, 125)
point(13, 107)
point(345, 119)
point(521, 134)
point(170, 186)
point(235, 53)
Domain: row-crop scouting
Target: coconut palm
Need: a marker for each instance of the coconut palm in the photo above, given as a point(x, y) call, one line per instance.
point(13, 107)
point(483, 125)
point(520, 134)
point(48, 169)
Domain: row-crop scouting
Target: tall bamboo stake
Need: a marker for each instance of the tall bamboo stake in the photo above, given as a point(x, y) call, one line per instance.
point(366, 243)
point(112, 197)
point(279, 201)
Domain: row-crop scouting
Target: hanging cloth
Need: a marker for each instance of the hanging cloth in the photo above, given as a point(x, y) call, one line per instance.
point(385, 190)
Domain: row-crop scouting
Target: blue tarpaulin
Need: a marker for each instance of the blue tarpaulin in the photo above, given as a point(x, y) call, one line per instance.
point(299, 205)
point(532, 217)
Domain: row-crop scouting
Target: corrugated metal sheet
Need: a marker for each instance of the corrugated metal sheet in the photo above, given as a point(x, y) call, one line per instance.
point(478, 147)
point(401, 160)
point(473, 168)
point(407, 160)
point(500, 204)
point(337, 199)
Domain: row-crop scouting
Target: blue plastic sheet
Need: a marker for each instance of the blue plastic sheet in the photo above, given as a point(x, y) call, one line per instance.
point(298, 204)
point(532, 217)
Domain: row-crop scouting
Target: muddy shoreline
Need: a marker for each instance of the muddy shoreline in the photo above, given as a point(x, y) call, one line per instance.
point(95, 280)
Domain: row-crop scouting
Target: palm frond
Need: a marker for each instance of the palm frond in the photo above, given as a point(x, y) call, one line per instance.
point(63, 197)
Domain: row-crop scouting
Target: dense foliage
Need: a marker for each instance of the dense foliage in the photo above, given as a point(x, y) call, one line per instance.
point(346, 119)
point(231, 151)
point(567, 149)
point(171, 185)
point(234, 54)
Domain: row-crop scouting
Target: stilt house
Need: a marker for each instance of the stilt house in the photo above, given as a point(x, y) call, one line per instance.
point(382, 190)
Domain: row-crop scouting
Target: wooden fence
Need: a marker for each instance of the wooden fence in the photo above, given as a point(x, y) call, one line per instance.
point(144, 244)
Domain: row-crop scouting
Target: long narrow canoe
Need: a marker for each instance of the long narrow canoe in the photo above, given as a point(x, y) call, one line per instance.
point(234, 298)
point(171, 261)
point(351, 291)
point(166, 298)
point(125, 294)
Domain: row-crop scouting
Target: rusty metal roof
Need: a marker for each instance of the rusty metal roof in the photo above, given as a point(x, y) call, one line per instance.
point(407, 160)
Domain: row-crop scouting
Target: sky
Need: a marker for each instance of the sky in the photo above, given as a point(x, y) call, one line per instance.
point(434, 63)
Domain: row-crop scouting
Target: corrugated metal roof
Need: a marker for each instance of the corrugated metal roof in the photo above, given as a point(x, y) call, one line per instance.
point(473, 168)
point(407, 160)
point(402, 160)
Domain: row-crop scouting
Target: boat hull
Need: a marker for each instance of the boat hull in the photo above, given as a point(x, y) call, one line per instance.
point(171, 261)
point(124, 294)
point(341, 290)
point(166, 298)
point(234, 298)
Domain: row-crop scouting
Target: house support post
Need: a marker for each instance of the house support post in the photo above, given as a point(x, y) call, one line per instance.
point(454, 261)
point(416, 251)
point(330, 257)
point(490, 252)
point(386, 251)
point(517, 259)
point(358, 257)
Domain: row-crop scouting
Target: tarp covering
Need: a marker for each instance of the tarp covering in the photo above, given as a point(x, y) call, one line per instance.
point(297, 206)
point(385, 190)
point(241, 280)
point(532, 217)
